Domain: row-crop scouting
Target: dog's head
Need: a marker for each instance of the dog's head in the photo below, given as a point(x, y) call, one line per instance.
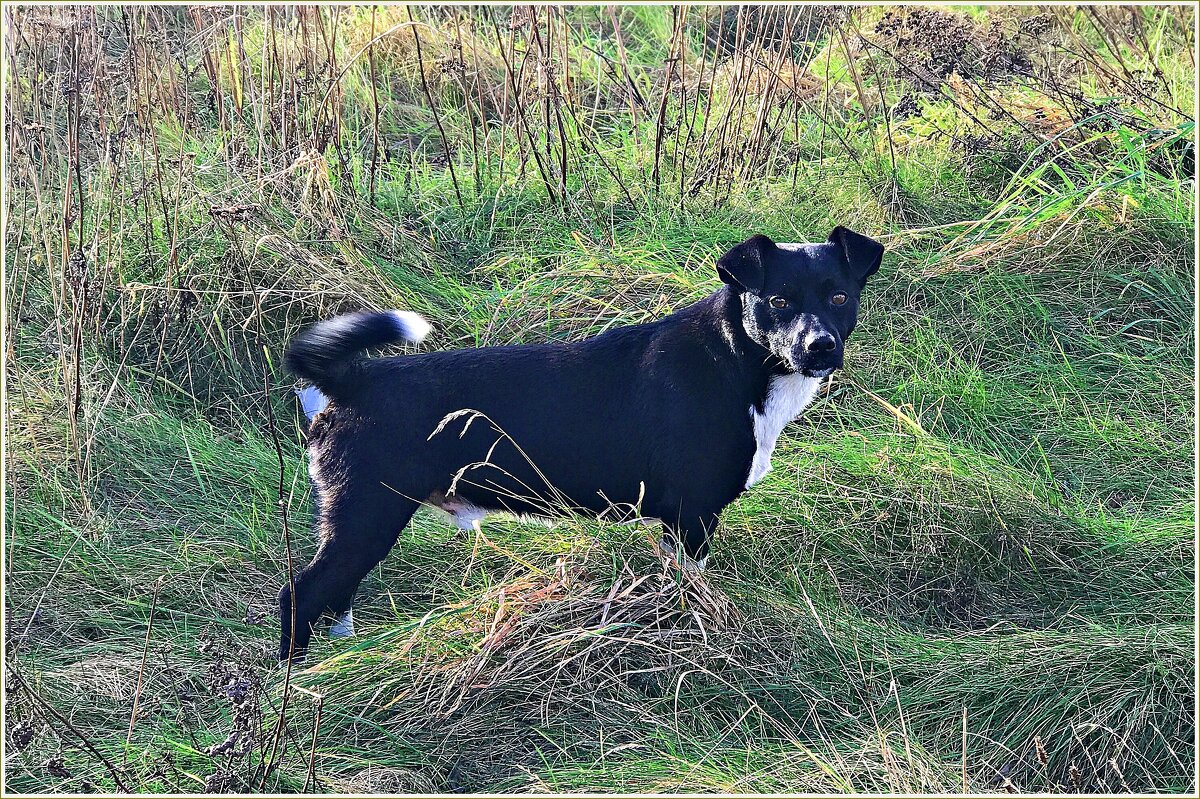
point(800, 301)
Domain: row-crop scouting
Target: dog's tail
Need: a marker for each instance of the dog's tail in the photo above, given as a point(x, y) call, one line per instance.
point(324, 354)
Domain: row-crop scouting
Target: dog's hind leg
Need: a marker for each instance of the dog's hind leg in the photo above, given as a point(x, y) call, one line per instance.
point(312, 401)
point(343, 626)
point(358, 531)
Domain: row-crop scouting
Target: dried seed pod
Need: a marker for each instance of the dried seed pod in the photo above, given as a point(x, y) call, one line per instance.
point(22, 734)
point(57, 767)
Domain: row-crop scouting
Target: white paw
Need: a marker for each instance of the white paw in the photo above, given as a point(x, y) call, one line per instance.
point(343, 627)
point(682, 559)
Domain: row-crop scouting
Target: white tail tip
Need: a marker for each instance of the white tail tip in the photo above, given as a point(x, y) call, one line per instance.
point(411, 325)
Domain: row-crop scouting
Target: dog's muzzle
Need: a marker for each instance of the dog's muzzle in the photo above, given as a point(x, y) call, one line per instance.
point(818, 373)
point(818, 354)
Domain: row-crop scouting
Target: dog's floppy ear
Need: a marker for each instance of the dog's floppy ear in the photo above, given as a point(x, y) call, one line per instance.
point(744, 266)
point(863, 255)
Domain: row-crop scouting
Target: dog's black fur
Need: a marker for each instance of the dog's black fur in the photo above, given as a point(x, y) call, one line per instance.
point(655, 420)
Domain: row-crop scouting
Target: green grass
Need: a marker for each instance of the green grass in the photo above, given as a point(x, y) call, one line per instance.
point(973, 563)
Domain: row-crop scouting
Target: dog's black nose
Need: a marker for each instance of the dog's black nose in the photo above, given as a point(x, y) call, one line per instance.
point(822, 342)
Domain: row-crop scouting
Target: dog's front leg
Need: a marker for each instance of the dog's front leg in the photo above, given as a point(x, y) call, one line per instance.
point(694, 530)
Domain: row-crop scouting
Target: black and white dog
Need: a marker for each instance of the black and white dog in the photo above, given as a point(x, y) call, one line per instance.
point(669, 420)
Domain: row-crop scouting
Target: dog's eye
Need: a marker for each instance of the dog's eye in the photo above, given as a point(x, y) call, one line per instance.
point(838, 299)
point(778, 302)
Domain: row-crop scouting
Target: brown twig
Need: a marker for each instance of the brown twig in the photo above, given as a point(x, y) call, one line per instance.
point(137, 692)
point(311, 776)
point(437, 118)
point(374, 111)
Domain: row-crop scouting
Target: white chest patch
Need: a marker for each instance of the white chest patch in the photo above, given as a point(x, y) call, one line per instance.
point(787, 397)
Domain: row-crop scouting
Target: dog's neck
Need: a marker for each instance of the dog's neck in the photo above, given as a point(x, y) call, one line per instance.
point(778, 394)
